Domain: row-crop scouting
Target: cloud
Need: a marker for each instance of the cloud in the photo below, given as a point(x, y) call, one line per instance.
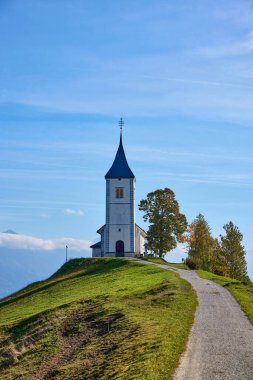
point(234, 179)
point(35, 243)
point(70, 211)
point(233, 49)
point(44, 215)
point(238, 13)
point(177, 254)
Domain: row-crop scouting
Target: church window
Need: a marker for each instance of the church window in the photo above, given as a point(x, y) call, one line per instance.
point(119, 192)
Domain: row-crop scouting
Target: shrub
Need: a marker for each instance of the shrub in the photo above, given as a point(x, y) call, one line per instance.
point(191, 263)
point(219, 272)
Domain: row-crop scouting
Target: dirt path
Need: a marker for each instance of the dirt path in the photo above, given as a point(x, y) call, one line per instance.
point(220, 345)
point(72, 338)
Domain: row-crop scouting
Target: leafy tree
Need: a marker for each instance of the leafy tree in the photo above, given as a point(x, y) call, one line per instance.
point(200, 243)
point(219, 264)
point(167, 224)
point(234, 252)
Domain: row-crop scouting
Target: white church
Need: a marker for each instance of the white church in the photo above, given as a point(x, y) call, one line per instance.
point(120, 235)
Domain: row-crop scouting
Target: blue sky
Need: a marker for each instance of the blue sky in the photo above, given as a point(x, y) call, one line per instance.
point(179, 73)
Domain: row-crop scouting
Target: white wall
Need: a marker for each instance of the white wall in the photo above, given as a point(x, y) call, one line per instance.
point(120, 214)
point(96, 252)
point(140, 240)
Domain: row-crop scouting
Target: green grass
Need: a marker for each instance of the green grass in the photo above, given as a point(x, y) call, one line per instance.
point(243, 292)
point(159, 260)
point(97, 318)
point(178, 265)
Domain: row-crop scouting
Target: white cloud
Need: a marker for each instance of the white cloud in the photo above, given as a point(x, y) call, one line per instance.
point(46, 216)
point(233, 49)
point(35, 243)
point(70, 211)
point(177, 254)
point(238, 13)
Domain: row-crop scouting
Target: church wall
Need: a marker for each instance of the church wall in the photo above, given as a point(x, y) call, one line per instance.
point(142, 247)
point(107, 219)
point(140, 241)
point(116, 235)
point(103, 243)
point(120, 213)
point(132, 216)
point(120, 216)
point(96, 252)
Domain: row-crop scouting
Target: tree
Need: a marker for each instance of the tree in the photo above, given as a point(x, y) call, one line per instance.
point(167, 224)
point(234, 252)
point(219, 264)
point(200, 243)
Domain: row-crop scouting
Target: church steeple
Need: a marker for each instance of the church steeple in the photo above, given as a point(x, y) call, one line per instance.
point(120, 235)
point(121, 123)
point(120, 167)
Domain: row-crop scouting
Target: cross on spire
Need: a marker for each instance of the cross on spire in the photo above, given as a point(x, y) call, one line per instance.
point(121, 124)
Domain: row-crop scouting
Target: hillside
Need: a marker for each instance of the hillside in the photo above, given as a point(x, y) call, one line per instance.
point(97, 318)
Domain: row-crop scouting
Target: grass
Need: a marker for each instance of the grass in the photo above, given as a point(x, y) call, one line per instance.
point(243, 292)
point(159, 260)
point(178, 265)
point(97, 318)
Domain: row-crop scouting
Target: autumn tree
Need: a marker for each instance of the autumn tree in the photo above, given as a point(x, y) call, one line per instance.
point(167, 224)
point(200, 243)
point(219, 264)
point(233, 252)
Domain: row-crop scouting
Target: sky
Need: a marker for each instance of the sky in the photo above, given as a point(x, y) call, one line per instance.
point(179, 73)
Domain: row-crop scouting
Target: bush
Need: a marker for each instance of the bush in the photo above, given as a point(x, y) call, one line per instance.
point(191, 263)
point(219, 272)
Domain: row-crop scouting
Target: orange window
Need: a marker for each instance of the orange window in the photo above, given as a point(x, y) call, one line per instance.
point(119, 192)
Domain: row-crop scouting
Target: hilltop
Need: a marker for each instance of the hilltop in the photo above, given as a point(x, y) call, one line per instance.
point(97, 318)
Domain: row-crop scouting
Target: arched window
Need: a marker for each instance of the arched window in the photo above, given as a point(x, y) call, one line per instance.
point(120, 248)
point(119, 192)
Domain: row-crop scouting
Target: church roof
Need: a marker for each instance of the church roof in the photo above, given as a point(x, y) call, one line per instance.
point(96, 245)
point(101, 229)
point(120, 167)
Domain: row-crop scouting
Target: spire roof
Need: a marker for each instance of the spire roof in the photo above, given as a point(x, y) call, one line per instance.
point(120, 167)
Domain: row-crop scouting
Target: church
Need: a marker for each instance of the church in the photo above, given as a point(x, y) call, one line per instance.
point(120, 235)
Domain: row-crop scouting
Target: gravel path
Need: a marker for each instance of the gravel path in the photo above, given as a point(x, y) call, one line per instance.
point(220, 345)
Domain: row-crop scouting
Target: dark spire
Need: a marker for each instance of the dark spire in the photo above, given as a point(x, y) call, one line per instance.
point(121, 124)
point(120, 168)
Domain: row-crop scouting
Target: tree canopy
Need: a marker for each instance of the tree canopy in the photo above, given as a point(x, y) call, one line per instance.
point(167, 224)
point(233, 252)
point(224, 256)
point(200, 243)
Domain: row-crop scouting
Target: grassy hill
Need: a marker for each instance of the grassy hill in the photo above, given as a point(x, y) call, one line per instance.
point(97, 319)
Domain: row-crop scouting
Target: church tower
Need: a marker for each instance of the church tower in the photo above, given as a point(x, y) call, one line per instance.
point(120, 236)
point(120, 206)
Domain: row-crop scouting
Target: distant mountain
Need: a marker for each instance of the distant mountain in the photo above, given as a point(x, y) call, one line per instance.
point(10, 232)
point(19, 267)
